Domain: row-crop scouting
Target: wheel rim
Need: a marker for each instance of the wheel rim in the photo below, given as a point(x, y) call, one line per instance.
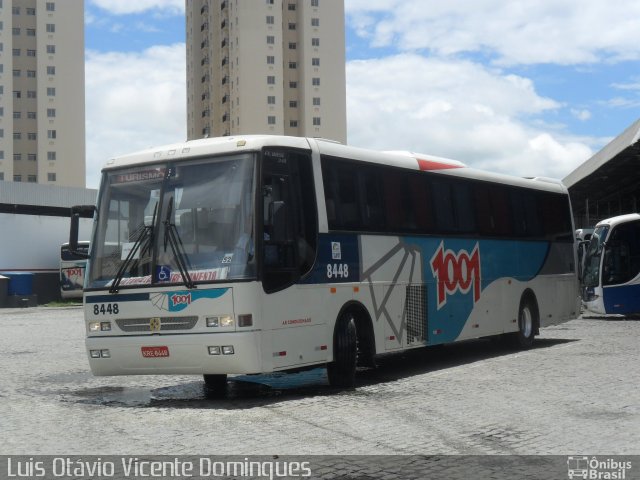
point(526, 322)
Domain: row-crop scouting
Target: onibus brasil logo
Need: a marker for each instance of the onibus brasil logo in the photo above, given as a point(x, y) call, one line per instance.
point(456, 272)
point(596, 468)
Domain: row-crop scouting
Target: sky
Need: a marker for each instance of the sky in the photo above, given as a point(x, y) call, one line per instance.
point(523, 87)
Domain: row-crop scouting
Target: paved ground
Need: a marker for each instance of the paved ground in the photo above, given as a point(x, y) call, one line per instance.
point(576, 392)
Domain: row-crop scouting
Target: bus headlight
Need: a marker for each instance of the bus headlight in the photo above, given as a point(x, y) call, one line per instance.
point(220, 321)
point(100, 326)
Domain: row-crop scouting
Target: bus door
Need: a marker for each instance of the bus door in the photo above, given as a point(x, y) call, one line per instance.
point(621, 270)
point(289, 239)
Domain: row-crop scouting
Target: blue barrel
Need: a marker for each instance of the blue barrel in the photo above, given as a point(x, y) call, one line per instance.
point(20, 283)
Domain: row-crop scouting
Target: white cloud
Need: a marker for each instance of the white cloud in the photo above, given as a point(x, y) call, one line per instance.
point(134, 101)
point(124, 7)
point(522, 32)
point(581, 114)
point(459, 110)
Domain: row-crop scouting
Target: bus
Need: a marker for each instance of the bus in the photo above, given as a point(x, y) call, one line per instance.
point(611, 277)
point(72, 268)
point(260, 254)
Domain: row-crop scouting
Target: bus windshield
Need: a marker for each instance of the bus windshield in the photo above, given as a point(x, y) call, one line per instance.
point(176, 224)
point(591, 276)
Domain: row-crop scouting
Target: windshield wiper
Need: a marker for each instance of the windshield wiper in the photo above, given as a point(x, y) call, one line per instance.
point(146, 237)
point(172, 237)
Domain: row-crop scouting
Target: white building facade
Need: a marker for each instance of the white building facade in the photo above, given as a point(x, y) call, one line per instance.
point(42, 105)
point(266, 66)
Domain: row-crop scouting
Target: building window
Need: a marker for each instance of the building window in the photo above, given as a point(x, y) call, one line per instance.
point(293, 123)
point(293, 84)
point(17, 94)
point(51, 156)
point(1, 132)
point(270, 20)
point(51, 49)
point(293, 45)
point(271, 100)
point(51, 91)
point(32, 179)
point(51, 27)
point(2, 176)
point(314, 3)
point(315, 22)
point(51, 7)
point(315, 42)
point(271, 80)
point(51, 70)
point(293, 65)
point(316, 101)
point(51, 177)
point(32, 136)
point(17, 115)
point(15, 10)
point(315, 81)
point(271, 60)
point(31, 115)
point(17, 178)
point(291, 7)
point(31, 11)
point(15, 30)
point(293, 104)
point(316, 121)
point(315, 62)
point(17, 136)
point(31, 53)
point(51, 134)
point(271, 39)
point(51, 112)
point(271, 120)
point(17, 156)
point(16, 52)
point(31, 74)
point(292, 26)
point(32, 157)
point(31, 94)
point(269, 2)
point(31, 32)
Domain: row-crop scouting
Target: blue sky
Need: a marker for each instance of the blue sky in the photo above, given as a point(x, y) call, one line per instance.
point(525, 87)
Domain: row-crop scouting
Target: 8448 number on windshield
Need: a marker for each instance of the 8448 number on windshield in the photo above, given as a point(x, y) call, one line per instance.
point(106, 309)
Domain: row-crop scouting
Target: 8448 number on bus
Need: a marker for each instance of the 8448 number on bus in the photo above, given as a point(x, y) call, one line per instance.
point(106, 309)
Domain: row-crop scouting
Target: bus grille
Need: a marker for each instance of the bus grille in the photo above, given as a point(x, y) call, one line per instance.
point(415, 307)
point(161, 324)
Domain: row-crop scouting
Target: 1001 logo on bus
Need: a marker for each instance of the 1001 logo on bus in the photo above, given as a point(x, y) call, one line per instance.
point(456, 273)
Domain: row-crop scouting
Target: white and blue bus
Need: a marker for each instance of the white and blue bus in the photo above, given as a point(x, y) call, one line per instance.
point(611, 277)
point(256, 254)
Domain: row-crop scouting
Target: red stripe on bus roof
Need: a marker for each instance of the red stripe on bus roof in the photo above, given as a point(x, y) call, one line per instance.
point(432, 165)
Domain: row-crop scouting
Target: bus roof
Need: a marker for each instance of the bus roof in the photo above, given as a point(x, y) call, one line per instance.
point(614, 221)
point(247, 143)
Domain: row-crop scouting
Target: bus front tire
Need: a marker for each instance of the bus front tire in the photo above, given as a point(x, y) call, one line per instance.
point(527, 324)
point(342, 371)
point(217, 382)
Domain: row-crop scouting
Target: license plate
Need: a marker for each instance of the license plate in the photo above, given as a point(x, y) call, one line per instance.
point(155, 352)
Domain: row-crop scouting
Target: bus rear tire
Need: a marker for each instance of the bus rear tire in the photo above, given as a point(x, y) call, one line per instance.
point(215, 382)
point(527, 323)
point(342, 371)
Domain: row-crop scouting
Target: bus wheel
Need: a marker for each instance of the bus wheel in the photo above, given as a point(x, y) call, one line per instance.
point(527, 321)
point(342, 371)
point(213, 383)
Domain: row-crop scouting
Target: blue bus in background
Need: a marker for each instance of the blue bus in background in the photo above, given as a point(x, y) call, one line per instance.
point(611, 277)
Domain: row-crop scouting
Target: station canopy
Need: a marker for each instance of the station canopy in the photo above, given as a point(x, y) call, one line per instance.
point(608, 184)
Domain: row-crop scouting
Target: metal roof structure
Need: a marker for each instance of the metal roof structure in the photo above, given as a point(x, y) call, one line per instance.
point(607, 184)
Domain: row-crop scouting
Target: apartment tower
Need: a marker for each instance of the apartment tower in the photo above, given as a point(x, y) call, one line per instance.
point(42, 129)
point(266, 67)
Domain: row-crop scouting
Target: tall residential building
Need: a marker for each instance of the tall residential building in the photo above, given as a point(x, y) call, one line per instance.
point(266, 66)
point(42, 128)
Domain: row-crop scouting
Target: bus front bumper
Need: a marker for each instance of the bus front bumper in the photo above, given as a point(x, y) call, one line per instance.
point(175, 354)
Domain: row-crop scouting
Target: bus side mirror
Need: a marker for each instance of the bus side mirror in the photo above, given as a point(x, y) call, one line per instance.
point(278, 212)
point(84, 211)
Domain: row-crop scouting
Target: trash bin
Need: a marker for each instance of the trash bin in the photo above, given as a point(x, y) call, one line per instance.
point(4, 290)
point(20, 283)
